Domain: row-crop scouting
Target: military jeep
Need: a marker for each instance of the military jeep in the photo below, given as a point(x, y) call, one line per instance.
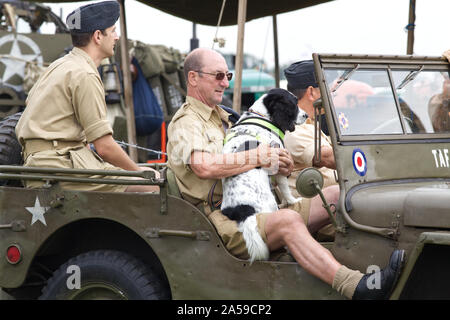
point(393, 170)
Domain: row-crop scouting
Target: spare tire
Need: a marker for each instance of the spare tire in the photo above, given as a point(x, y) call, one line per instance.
point(10, 149)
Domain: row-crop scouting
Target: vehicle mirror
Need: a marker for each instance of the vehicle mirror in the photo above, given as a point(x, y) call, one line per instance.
point(308, 181)
point(318, 104)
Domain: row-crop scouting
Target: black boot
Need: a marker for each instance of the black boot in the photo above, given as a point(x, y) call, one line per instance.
point(388, 279)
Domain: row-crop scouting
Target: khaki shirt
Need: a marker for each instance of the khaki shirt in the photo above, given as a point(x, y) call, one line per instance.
point(195, 127)
point(67, 103)
point(300, 144)
point(65, 108)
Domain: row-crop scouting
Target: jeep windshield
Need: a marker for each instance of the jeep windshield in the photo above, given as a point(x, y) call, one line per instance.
point(380, 98)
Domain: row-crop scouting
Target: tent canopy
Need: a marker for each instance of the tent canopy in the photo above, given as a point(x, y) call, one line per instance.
point(207, 11)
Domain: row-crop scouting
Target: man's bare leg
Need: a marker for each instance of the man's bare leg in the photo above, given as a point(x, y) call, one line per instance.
point(318, 216)
point(286, 228)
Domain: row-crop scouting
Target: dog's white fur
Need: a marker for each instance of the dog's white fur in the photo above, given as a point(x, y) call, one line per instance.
point(253, 187)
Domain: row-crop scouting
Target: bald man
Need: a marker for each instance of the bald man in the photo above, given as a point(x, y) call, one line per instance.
point(196, 135)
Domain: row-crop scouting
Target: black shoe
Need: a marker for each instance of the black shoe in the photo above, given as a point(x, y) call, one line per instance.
point(387, 279)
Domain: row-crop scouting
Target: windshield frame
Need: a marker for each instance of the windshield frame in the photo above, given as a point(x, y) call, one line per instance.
point(368, 62)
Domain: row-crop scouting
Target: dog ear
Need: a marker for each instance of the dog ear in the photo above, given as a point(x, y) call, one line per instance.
point(283, 112)
point(270, 101)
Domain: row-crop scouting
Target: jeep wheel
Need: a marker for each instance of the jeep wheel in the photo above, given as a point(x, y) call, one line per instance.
point(9, 145)
point(104, 275)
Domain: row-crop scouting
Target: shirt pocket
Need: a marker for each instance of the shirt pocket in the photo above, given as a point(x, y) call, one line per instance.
point(215, 141)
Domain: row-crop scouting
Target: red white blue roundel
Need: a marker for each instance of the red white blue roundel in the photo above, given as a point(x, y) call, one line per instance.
point(359, 162)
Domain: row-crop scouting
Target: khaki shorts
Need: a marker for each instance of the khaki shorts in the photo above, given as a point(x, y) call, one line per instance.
point(303, 207)
point(82, 158)
point(232, 237)
point(326, 233)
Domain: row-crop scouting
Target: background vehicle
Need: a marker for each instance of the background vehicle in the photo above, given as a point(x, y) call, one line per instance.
point(24, 51)
point(393, 177)
point(255, 80)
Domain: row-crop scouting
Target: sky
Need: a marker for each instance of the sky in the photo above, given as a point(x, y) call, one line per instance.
point(340, 26)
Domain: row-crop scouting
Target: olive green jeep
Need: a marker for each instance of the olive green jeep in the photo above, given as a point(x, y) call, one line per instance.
point(387, 117)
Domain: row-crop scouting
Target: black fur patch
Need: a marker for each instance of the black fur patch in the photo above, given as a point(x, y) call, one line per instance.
point(283, 109)
point(239, 213)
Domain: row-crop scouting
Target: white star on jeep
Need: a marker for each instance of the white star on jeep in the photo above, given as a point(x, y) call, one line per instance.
point(16, 66)
point(38, 212)
point(15, 51)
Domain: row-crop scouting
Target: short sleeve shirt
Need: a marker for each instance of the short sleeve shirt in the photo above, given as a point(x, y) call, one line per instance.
point(67, 103)
point(195, 127)
point(300, 144)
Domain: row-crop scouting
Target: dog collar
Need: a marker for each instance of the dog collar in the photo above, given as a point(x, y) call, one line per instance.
point(234, 134)
point(255, 121)
point(266, 124)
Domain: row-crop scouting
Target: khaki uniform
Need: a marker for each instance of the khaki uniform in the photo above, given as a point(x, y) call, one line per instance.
point(300, 144)
point(197, 127)
point(65, 110)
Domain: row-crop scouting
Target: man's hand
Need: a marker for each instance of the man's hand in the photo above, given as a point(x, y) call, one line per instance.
point(157, 174)
point(286, 163)
point(326, 158)
point(277, 160)
point(446, 55)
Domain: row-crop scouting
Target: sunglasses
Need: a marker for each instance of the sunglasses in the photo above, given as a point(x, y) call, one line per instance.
point(219, 75)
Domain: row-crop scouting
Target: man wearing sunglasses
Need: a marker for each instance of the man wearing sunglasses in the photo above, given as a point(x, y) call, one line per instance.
point(196, 135)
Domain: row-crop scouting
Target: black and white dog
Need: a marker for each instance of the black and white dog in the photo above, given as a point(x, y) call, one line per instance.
point(250, 192)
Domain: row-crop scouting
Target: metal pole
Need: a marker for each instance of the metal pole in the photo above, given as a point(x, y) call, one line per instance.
point(127, 83)
point(410, 27)
point(194, 40)
point(275, 47)
point(242, 13)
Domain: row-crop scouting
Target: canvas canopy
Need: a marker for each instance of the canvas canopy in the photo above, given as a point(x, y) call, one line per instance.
point(207, 11)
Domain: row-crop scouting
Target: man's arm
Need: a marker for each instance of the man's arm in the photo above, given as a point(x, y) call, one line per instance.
point(326, 158)
point(301, 144)
point(217, 166)
point(111, 152)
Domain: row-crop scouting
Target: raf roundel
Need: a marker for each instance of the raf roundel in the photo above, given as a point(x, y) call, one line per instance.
point(359, 162)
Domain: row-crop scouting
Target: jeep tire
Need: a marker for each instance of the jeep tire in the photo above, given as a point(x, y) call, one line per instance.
point(104, 275)
point(10, 149)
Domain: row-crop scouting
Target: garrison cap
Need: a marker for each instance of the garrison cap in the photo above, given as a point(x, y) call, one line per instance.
point(95, 16)
point(300, 75)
